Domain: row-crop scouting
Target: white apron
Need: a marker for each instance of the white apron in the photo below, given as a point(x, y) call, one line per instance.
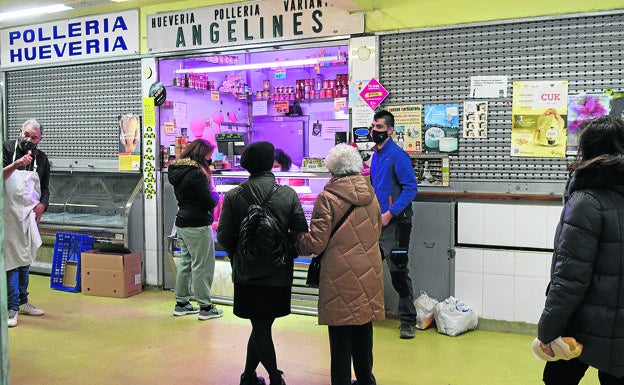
point(22, 191)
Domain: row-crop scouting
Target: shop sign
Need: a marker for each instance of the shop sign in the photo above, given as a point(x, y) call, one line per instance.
point(247, 23)
point(373, 93)
point(98, 36)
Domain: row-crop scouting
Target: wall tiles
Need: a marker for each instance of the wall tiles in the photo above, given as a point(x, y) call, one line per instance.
point(500, 262)
point(470, 223)
point(469, 260)
point(469, 288)
point(498, 297)
point(499, 220)
point(532, 264)
point(529, 297)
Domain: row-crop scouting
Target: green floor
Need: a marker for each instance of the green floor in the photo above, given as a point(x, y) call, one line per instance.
point(94, 340)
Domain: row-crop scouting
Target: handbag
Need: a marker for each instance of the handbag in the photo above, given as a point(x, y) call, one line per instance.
point(314, 270)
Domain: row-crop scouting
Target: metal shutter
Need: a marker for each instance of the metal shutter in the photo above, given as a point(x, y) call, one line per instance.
point(78, 105)
point(435, 66)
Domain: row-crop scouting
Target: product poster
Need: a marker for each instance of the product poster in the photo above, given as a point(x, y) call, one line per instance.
point(355, 87)
point(580, 108)
point(538, 123)
point(129, 142)
point(407, 127)
point(475, 119)
point(441, 128)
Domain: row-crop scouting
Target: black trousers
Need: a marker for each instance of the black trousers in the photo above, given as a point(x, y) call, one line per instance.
point(571, 372)
point(351, 342)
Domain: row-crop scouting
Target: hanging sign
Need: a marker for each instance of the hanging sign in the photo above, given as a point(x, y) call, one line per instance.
point(373, 93)
point(252, 22)
point(91, 37)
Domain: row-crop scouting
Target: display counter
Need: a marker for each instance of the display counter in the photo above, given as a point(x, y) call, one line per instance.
point(307, 186)
point(106, 206)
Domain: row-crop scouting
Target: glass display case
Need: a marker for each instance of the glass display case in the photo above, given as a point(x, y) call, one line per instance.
point(307, 186)
point(106, 206)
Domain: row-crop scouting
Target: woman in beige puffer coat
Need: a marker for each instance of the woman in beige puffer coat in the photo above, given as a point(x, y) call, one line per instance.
point(351, 279)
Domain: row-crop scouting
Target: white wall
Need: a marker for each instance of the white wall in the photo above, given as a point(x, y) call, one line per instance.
point(504, 284)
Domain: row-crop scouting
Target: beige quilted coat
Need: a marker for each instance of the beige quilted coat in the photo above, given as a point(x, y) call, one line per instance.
point(351, 282)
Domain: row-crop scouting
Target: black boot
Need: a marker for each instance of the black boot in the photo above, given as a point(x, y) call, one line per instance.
point(279, 380)
point(251, 379)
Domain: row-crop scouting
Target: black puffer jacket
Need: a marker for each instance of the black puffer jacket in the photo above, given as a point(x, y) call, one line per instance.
point(196, 201)
point(284, 204)
point(585, 298)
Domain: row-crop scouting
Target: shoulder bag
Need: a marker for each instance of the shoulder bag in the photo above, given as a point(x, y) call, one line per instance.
point(314, 270)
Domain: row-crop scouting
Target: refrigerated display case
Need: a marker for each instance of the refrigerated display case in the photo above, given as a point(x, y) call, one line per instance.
point(304, 299)
point(106, 206)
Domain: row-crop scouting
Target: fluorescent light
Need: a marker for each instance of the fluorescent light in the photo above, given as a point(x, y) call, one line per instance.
point(118, 1)
point(253, 66)
point(28, 12)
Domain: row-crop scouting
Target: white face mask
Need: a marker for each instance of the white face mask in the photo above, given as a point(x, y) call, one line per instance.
point(276, 169)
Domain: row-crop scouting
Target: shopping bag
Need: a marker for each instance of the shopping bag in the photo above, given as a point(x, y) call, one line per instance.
point(453, 317)
point(425, 308)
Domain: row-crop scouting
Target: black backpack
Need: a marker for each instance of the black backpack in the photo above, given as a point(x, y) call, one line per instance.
point(261, 238)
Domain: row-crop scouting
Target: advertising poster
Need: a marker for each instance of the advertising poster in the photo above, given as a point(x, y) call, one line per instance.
point(538, 122)
point(407, 127)
point(129, 142)
point(441, 128)
point(475, 119)
point(580, 108)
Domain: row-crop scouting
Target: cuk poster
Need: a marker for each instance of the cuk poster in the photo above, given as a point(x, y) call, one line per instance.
point(407, 127)
point(441, 128)
point(538, 122)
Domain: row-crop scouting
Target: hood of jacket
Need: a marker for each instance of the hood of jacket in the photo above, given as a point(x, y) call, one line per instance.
point(598, 176)
point(354, 189)
point(180, 168)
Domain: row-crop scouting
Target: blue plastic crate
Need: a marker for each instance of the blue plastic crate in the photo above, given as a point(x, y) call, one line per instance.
point(67, 249)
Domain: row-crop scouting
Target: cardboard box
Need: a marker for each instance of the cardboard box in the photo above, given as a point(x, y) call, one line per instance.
point(111, 275)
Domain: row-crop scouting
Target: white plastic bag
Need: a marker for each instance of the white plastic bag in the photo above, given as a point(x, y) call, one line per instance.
point(425, 307)
point(453, 317)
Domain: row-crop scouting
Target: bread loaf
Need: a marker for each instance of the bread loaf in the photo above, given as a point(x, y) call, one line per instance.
point(564, 348)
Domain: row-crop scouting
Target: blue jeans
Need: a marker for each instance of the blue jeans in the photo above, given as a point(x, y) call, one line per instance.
point(17, 287)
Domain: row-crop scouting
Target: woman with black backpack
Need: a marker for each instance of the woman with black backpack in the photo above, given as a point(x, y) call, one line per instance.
point(258, 277)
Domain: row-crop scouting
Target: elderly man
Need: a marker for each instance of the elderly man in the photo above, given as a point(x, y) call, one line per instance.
point(26, 174)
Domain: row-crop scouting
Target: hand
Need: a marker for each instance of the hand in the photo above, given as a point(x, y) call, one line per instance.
point(385, 218)
point(39, 209)
point(25, 160)
point(547, 349)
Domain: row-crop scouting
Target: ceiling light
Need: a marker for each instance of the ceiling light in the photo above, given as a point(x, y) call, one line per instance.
point(118, 1)
point(21, 13)
point(253, 66)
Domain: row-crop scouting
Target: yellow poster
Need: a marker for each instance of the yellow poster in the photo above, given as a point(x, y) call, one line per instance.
point(407, 127)
point(539, 115)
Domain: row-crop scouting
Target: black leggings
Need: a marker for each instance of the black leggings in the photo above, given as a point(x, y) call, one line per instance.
point(260, 348)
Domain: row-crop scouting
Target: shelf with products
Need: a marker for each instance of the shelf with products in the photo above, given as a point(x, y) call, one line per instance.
point(237, 95)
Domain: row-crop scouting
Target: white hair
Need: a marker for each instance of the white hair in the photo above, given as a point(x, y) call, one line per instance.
point(343, 159)
point(33, 123)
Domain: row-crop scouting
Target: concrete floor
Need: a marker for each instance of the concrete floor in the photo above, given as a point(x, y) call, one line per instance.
point(95, 340)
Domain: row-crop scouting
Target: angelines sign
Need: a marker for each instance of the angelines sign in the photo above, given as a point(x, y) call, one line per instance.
point(249, 23)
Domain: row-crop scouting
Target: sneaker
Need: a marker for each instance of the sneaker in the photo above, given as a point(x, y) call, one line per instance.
point(185, 309)
point(251, 379)
point(30, 309)
point(12, 320)
point(406, 332)
point(209, 312)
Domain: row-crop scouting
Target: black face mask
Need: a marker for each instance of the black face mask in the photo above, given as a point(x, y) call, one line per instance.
point(379, 136)
point(27, 145)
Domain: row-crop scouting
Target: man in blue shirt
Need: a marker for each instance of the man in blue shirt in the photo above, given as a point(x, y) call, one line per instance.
point(393, 179)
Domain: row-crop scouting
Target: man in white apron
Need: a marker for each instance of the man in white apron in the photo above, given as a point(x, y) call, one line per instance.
point(26, 174)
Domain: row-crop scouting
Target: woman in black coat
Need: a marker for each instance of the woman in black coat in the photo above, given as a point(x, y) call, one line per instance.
point(261, 292)
point(585, 297)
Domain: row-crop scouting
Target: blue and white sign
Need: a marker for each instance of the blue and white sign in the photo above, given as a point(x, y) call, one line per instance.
point(98, 36)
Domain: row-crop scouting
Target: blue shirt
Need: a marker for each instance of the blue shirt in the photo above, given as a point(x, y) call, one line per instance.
point(393, 179)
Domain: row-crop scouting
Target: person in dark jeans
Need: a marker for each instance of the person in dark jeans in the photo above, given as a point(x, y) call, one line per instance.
point(393, 179)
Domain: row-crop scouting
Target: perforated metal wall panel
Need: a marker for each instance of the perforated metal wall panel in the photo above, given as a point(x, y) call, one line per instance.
point(435, 66)
point(78, 106)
